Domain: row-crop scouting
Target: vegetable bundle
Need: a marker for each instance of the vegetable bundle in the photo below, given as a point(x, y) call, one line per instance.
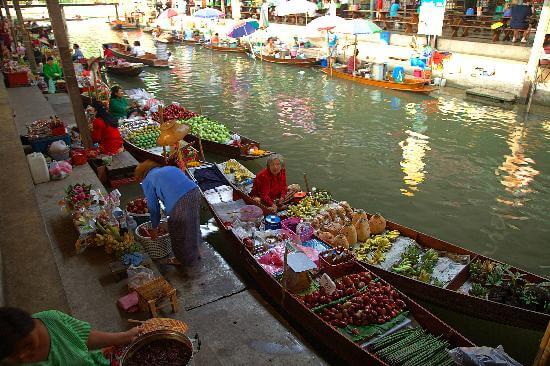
point(412, 346)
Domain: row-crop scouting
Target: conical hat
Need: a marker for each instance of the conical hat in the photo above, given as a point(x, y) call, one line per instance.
point(171, 133)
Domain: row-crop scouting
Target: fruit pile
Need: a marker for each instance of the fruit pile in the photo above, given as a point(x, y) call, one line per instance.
point(337, 255)
point(345, 286)
point(138, 206)
point(377, 304)
point(208, 130)
point(146, 137)
point(143, 231)
point(240, 172)
point(174, 111)
point(374, 249)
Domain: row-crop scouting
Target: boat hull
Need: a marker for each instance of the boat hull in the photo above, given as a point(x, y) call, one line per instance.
point(408, 86)
point(225, 49)
point(230, 151)
point(328, 336)
point(148, 59)
point(305, 62)
point(125, 71)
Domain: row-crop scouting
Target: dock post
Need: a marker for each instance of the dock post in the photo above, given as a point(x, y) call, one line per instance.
point(25, 36)
point(60, 32)
point(536, 51)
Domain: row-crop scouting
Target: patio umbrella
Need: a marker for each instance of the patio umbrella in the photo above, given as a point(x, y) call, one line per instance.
point(208, 13)
point(294, 7)
point(244, 28)
point(325, 23)
point(357, 27)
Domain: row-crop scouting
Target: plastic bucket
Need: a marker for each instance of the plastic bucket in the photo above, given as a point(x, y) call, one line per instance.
point(417, 73)
point(324, 62)
point(385, 37)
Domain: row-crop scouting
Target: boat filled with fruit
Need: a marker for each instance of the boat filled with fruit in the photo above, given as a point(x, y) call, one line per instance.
point(205, 134)
point(344, 305)
point(428, 268)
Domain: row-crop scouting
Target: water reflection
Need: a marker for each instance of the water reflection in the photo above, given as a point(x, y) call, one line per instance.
point(517, 168)
point(414, 150)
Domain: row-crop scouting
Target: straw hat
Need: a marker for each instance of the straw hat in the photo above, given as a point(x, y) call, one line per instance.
point(171, 133)
point(143, 168)
point(164, 38)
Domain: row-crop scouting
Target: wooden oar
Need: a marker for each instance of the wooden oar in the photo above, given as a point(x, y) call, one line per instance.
point(306, 182)
point(544, 350)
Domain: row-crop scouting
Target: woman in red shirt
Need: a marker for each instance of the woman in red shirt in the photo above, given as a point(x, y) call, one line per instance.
point(107, 53)
point(105, 131)
point(270, 183)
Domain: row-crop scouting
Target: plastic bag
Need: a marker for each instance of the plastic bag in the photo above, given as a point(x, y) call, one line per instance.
point(138, 276)
point(60, 170)
point(58, 146)
point(51, 86)
point(482, 356)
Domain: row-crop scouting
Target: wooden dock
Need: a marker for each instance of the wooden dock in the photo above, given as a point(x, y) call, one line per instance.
point(490, 95)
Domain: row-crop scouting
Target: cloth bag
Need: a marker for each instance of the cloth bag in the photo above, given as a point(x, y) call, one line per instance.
point(51, 86)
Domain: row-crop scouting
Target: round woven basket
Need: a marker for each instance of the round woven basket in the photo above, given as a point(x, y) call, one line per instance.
point(157, 249)
point(155, 324)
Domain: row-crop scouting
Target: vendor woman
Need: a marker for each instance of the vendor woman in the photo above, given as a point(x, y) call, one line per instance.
point(270, 186)
point(181, 199)
point(52, 70)
point(118, 105)
point(53, 338)
point(105, 130)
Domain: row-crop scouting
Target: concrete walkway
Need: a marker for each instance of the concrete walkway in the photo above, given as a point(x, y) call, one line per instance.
point(235, 324)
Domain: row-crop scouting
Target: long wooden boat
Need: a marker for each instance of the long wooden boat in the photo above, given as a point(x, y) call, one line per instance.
point(122, 25)
point(231, 151)
point(149, 59)
point(351, 352)
point(415, 86)
point(134, 70)
point(304, 62)
point(238, 49)
point(451, 298)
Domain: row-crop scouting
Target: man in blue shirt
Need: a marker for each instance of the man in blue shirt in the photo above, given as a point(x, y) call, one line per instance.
point(181, 199)
point(394, 8)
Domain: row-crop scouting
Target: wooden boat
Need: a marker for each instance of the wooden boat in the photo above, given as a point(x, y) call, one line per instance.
point(149, 59)
point(122, 25)
point(304, 62)
point(409, 85)
point(133, 70)
point(352, 353)
point(230, 151)
point(451, 298)
point(237, 49)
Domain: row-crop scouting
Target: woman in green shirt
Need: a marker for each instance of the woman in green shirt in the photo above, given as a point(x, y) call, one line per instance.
point(118, 105)
point(52, 70)
point(53, 338)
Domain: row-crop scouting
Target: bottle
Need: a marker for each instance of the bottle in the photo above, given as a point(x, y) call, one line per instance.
point(131, 224)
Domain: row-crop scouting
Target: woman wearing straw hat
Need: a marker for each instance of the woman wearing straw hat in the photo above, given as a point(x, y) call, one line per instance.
point(181, 199)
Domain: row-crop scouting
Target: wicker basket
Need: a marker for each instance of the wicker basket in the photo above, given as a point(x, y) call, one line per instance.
point(335, 270)
point(155, 324)
point(159, 248)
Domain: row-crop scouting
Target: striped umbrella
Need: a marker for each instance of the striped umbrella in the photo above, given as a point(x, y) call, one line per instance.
point(244, 28)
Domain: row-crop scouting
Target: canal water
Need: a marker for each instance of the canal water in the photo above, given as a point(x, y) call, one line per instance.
point(474, 175)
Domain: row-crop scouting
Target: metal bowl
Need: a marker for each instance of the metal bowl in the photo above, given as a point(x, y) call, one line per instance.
point(156, 335)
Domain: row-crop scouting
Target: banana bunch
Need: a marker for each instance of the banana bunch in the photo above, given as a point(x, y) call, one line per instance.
point(112, 245)
point(378, 257)
point(392, 235)
point(405, 267)
point(307, 207)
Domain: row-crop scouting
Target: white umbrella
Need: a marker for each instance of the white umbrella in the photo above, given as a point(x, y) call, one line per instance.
point(326, 22)
point(356, 27)
point(295, 7)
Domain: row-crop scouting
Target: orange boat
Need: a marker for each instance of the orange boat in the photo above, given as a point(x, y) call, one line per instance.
point(410, 85)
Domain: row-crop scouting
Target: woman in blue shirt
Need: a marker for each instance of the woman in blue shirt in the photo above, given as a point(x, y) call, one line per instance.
point(181, 199)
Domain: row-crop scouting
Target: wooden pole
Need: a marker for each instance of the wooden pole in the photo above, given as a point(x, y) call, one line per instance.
point(10, 22)
point(60, 32)
point(25, 36)
point(306, 182)
point(116, 10)
point(544, 349)
point(536, 51)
